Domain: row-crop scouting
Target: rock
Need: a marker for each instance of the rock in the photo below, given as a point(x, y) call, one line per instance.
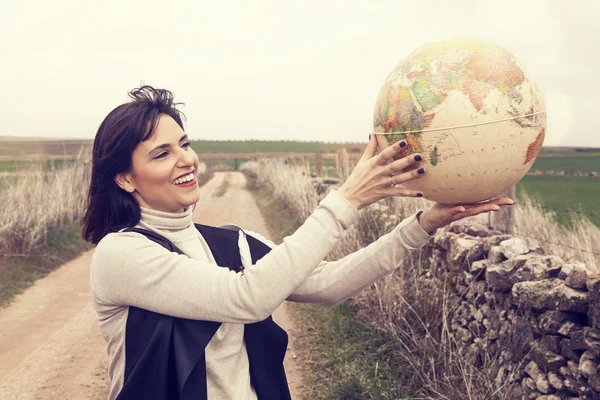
point(568, 328)
point(578, 339)
point(495, 256)
point(564, 371)
point(478, 269)
point(591, 339)
point(498, 277)
point(545, 359)
point(551, 321)
point(566, 350)
point(476, 329)
point(532, 370)
point(442, 239)
point(541, 384)
point(479, 316)
point(459, 248)
point(475, 253)
point(476, 229)
point(549, 397)
point(539, 295)
point(551, 342)
point(593, 286)
point(550, 294)
point(500, 376)
point(519, 245)
point(588, 364)
point(528, 383)
point(522, 335)
point(555, 381)
point(577, 277)
point(571, 385)
point(594, 382)
point(569, 299)
point(527, 267)
point(537, 268)
point(564, 272)
point(473, 355)
point(574, 369)
point(494, 240)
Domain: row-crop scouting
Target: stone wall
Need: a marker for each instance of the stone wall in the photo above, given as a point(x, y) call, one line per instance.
point(534, 313)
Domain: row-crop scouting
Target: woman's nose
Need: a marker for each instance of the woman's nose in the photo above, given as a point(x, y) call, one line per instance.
point(185, 157)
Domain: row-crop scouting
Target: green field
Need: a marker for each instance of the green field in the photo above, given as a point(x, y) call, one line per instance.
point(271, 146)
point(568, 163)
point(560, 193)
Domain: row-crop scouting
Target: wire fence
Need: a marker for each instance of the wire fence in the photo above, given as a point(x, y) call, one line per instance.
point(578, 213)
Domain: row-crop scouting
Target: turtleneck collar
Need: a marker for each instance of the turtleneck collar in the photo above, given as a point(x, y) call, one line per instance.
point(166, 221)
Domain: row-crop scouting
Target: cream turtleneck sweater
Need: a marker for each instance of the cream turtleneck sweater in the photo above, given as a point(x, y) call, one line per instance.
point(129, 270)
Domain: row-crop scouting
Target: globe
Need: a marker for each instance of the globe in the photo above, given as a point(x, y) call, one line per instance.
point(471, 110)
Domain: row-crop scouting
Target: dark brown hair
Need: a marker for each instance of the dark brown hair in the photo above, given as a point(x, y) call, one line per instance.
point(110, 208)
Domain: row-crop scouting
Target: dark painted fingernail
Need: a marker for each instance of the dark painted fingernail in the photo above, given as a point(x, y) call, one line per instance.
point(418, 158)
point(369, 136)
point(421, 171)
point(402, 144)
point(419, 194)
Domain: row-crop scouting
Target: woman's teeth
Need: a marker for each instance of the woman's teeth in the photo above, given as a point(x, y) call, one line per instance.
point(183, 179)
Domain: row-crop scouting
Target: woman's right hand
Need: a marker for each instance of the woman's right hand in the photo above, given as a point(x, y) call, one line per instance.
point(369, 182)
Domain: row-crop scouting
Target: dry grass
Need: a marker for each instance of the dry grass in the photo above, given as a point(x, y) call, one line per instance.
point(410, 311)
point(580, 243)
point(289, 184)
point(39, 201)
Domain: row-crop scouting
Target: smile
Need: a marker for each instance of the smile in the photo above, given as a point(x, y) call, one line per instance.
point(184, 179)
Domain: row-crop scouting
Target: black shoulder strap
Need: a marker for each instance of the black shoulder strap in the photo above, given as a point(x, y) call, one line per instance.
point(155, 237)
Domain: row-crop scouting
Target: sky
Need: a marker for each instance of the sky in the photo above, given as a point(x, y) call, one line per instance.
point(275, 70)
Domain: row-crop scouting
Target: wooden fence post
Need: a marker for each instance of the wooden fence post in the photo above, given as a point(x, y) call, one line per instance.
point(341, 164)
point(306, 163)
point(503, 219)
point(319, 164)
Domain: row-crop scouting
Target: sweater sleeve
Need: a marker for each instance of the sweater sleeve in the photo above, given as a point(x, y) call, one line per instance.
point(333, 282)
point(128, 269)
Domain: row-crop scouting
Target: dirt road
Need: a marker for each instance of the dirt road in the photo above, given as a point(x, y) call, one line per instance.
point(50, 344)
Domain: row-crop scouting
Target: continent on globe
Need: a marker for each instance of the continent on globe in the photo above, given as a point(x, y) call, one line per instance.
point(473, 112)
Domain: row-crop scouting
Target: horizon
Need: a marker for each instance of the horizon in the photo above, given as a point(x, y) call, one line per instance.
point(48, 139)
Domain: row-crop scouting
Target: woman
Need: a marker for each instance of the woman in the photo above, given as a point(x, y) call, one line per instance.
point(178, 326)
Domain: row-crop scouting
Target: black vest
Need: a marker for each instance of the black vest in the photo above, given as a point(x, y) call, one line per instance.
point(164, 355)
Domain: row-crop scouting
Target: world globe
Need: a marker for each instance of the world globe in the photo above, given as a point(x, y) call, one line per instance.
point(471, 110)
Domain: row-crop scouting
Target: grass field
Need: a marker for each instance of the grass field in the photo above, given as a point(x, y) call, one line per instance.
point(23, 165)
point(569, 163)
point(557, 192)
point(279, 146)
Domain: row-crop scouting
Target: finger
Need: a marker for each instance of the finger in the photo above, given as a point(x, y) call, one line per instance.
point(504, 201)
point(389, 152)
point(403, 163)
point(371, 148)
point(407, 176)
point(403, 192)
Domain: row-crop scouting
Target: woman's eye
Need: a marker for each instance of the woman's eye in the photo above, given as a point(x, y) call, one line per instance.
point(161, 155)
point(186, 145)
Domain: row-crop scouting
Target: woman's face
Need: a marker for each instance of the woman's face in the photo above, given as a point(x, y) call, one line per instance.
point(164, 170)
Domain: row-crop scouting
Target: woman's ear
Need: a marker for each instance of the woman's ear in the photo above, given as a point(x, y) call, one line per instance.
point(124, 182)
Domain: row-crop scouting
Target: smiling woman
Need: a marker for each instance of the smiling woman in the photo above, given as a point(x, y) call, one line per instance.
point(139, 152)
point(186, 308)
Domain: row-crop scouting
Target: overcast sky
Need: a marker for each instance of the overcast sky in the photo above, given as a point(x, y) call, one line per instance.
point(301, 70)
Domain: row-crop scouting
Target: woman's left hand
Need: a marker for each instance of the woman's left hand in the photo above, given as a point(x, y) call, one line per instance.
point(440, 215)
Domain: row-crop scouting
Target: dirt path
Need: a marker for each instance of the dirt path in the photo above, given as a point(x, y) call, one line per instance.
point(50, 345)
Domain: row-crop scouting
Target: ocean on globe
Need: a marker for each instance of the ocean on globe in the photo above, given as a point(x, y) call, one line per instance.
point(473, 112)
